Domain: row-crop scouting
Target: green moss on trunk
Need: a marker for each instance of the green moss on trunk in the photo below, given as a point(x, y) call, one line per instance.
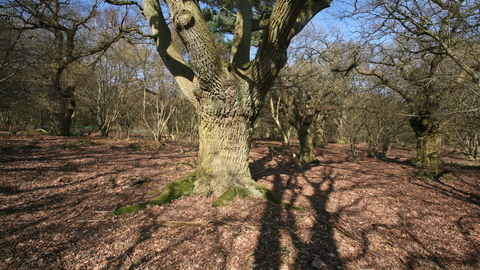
point(252, 190)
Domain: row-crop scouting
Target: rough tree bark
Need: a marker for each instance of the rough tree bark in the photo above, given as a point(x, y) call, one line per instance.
point(63, 108)
point(429, 143)
point(306, 138)
point(319, 137)
point(61, 97)
point(227, 94)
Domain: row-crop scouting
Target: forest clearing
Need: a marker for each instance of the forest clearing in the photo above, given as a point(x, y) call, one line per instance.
point(58, 193)
point(239, 134)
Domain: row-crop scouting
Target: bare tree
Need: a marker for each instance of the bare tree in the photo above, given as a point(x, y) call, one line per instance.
point(274, 109)
point(64, 27)
point(14, 54)
point(156, 112)
point(465, 127)
point(15, 57)
point(116, 86)
point(428, 50)
point(308, 88)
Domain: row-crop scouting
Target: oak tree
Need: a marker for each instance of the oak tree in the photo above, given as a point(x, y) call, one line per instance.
point(226, 92)
point(425, 50)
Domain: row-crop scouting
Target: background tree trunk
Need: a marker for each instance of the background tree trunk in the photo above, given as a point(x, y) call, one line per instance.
point(63, 102)
point(319, 135)
point(306, 143)
point(429, 144)
point(428, 152)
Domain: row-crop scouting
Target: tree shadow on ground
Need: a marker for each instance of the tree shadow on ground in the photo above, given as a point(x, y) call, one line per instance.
point(51, 224)
point(49, 210)
point(302, 239)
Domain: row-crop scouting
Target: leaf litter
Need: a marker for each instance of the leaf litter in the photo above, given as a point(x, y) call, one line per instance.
point(56, 200)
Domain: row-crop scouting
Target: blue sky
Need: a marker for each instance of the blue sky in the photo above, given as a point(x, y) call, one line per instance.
point(329, 18)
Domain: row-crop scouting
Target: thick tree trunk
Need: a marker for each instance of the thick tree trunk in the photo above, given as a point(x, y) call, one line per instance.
point(227, 95)
point(340, 133)
point(306, 143)
point(63, 102)
point(428, 152)
point(429, 144)
point(223, 156)
point(306, 138)
point(372, 150)
point(225, 132)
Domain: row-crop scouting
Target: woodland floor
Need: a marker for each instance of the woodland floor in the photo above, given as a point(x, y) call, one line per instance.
point(56, 195)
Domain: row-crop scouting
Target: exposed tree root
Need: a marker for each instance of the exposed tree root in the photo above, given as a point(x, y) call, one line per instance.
point(227, 196)
point(185, 187)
